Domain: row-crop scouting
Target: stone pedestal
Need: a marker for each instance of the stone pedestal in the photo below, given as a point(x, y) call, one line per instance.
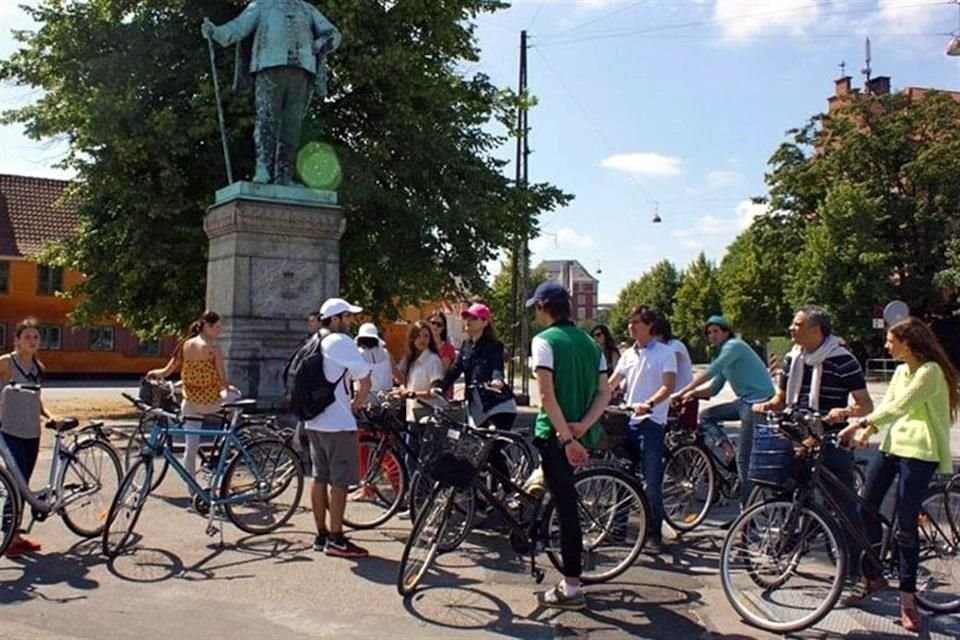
point(274, 257)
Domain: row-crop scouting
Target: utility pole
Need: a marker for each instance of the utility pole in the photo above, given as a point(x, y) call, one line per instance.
point(520, 263)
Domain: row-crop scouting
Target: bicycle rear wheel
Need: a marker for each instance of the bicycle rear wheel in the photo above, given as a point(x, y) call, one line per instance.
point(613, 520)
point(126, 507)
point(9, 510)
point(91, 478)
point(938, 571)
point(136, 443)
point(783, 565)
point(423, 545)
point(382, 487)
point(262, 486)
point(689, 484)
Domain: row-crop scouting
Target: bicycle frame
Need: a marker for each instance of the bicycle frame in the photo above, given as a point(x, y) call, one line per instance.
point(58, 468)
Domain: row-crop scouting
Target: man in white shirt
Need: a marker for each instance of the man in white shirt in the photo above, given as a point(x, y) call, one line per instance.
point(650, 369)
point(334, 446)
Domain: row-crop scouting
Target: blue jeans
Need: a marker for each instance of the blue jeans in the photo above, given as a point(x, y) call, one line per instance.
point(914, 476)
point(712, 417)
point(645, 438)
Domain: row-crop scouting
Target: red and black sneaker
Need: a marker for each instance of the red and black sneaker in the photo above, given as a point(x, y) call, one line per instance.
point(340, 547)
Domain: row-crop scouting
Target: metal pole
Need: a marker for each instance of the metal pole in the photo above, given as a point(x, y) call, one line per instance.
point(525, 244)
point(223, 127)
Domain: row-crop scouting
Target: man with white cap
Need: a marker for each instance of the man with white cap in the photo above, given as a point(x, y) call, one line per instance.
point(334, 447)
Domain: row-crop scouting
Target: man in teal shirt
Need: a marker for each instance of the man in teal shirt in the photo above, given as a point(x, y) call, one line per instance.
point(739, 365)
point(572, 380)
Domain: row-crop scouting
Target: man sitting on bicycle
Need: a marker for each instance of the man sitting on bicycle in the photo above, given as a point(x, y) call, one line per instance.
point(821, 375)
point(572, 379)
point(739, 365)
point(649, 369)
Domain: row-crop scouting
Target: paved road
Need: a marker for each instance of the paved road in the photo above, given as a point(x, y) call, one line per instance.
point(181, 583)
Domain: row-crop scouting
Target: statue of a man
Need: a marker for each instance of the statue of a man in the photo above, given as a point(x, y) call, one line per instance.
point(291, 40)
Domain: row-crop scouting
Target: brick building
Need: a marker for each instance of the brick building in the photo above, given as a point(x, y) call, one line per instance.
point(582, 286)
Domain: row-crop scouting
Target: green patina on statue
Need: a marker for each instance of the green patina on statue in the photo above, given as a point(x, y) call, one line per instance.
point(287, 58)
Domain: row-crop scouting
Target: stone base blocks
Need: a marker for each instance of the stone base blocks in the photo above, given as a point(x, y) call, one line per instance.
point(274, 257)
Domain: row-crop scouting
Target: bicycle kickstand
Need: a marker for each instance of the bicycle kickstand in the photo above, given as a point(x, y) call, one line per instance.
point(536, 572)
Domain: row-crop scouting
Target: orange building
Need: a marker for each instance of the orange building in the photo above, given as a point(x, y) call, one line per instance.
point(33, 213)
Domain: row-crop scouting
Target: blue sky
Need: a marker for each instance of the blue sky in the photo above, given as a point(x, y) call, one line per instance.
point(678, 103)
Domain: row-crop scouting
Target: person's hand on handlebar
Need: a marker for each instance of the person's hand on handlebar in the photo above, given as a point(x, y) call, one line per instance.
point(849, 434)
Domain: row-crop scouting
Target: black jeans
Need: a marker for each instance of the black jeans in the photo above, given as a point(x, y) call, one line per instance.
point(841, 463)
point(499, 422)
point(558, 474)
point(914, 476)
point(25, 452)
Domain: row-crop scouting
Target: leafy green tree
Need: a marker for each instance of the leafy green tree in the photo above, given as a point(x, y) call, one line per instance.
point(656, 288)
point(883, 171)
point(842, 265)
point(698, 297)
point(128, 85)
point(498, 298)
point(753, 278)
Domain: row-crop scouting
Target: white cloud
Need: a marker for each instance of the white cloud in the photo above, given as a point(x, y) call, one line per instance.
point(908, 16)
point(691, 244)
point(747, 210)
point(739, 21)
point(643, 164)
point(564, 237)
point(594, 4)
point(720, 178)
point(708, 225)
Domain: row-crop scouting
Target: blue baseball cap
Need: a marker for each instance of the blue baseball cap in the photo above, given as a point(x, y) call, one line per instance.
point(549, 291)
point(718, 320)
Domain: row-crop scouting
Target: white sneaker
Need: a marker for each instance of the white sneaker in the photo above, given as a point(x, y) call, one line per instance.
point(668, 532)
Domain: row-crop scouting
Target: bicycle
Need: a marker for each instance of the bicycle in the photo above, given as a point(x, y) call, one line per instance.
point(783, 562)
point(83, 478)
point(611, 542)
point(245, 484)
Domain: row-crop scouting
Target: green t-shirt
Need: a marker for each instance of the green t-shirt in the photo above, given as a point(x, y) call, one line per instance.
point(576, 362)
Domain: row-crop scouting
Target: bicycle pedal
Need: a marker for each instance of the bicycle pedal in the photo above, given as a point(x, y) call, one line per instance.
point(212, 530)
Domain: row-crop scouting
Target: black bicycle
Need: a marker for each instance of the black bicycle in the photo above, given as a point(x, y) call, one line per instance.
point(784, 561)
point(613, 513)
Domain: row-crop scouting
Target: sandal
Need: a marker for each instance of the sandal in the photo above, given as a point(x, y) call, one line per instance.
point(556, 599)
point(865, 590)
point(910, 617)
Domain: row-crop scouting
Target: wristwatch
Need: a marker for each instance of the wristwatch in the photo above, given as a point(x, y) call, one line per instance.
point(565, 442)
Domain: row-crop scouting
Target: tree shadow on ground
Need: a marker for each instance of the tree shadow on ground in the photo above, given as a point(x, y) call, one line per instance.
point(37, 570)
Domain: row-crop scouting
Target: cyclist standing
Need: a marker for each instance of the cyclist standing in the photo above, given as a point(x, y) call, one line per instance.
point(20, 413)
point(650, 370)
point(571, 376)
point(739, 365)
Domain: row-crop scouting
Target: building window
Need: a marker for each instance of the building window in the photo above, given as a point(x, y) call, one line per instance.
point(50, 338)
point(4, 277)
point(101, 339)
point(581, 299)
point(148, 347)
point(49, 280)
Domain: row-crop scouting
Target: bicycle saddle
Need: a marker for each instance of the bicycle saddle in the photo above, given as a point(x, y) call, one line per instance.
point(62, 425)
point(240, 404)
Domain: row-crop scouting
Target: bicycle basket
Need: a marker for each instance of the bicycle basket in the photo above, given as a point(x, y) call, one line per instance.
point(614, 428)
point(771, 460)
point(451, 470)
point(157, 394)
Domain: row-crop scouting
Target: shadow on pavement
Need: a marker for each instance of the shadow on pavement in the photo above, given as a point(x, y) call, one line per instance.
point(38, 570)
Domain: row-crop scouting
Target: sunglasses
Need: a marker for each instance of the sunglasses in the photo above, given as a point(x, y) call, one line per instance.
point(598, 334)
point(436, 323)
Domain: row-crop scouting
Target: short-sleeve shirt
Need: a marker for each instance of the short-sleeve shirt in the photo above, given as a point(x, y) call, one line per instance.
point(841, 376)
point(684, 363)
point(426, 371)
point(642, 368)
point(341, 361)
point(576, 362)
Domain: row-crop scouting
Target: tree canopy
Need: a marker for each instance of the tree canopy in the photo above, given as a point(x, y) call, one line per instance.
point(128, 85)
point(656, 287)
point(697, 298)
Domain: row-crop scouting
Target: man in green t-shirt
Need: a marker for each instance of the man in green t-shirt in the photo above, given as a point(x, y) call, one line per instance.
point(572, 378)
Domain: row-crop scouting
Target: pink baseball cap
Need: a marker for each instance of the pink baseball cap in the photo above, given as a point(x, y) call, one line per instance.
point(477, 310)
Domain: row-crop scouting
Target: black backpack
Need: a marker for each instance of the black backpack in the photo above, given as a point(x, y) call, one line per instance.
point(312, 393)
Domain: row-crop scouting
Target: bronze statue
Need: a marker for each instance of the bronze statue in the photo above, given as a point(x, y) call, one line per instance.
point(291, 40)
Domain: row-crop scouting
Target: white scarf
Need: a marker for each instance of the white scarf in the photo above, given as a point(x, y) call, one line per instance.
point(830, 348)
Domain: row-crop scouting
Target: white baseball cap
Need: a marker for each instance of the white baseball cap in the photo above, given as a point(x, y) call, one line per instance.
point(336, 306)
point(368, 330)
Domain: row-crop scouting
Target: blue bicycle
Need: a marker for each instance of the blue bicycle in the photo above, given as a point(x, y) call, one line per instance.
point(256, 484)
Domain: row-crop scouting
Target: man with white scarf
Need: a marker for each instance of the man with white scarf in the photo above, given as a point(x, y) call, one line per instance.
point(820, 374)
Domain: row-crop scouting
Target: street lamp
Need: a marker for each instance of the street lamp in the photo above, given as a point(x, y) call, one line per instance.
point(656, 212)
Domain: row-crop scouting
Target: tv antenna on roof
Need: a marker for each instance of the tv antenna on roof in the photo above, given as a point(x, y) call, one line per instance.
point(866, 70)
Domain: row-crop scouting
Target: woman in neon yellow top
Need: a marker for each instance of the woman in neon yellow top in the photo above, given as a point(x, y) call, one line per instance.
point(915, 416)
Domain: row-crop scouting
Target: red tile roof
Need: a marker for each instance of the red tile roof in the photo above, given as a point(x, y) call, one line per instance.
point(32, 213)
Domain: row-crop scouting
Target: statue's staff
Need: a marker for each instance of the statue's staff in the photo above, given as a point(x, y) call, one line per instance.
point(223, 127)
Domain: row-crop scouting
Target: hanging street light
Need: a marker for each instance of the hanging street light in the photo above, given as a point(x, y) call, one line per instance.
point(656, 213)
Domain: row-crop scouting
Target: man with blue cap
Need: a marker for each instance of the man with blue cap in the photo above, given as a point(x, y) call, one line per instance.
point(739, 365)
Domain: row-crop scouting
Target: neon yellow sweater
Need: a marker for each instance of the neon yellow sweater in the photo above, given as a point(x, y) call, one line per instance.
point(914, 416)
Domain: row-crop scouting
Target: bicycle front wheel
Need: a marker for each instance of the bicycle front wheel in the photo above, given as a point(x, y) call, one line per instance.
point(938, 571)
point(126, 507)
point(136, 444)
point(9, 510)
point(91, 478)
point(689, 484)
point(462, 513)
point(423, 545)
point(262, 486)
point(783, 565)
point(613, 513)
point(382, 486)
